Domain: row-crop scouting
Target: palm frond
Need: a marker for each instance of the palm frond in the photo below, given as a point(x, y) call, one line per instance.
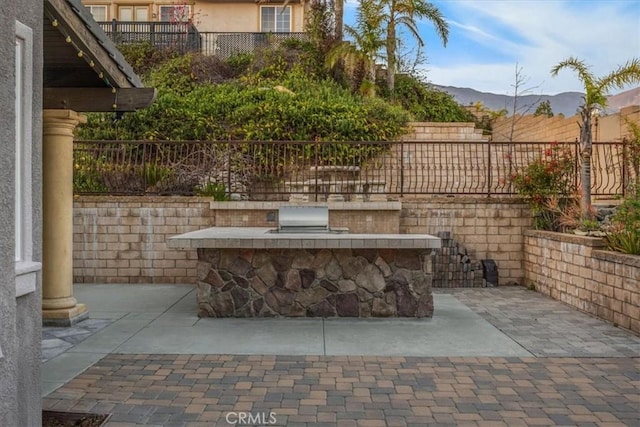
point(625, 75)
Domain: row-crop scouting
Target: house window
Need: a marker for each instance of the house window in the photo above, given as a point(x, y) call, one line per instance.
point(133, 13)
point(99, 12)
point(275, 19)
point(178, 13)
point(25, 268)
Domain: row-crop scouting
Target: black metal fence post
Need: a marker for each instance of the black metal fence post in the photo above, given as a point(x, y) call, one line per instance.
point(625, 171)
point(489, 176)
point(402, 168)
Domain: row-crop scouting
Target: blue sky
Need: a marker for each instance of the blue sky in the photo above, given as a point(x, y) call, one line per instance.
point(488, 38)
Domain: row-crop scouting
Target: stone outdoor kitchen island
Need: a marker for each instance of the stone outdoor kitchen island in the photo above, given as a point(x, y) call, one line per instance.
point(254, 272)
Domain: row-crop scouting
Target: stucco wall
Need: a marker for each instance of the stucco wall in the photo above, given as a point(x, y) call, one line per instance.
point(240, 17)
point(574, 270)
point(20, 319)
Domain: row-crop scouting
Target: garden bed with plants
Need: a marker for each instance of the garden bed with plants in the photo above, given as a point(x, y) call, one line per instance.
point(579, 256)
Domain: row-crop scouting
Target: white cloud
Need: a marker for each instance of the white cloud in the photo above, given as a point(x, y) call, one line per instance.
point(536, 35)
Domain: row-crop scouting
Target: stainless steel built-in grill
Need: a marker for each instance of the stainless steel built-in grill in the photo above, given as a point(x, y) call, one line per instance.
point(303, 219)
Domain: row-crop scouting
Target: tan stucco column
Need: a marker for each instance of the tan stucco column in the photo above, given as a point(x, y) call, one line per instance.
point(59, 307)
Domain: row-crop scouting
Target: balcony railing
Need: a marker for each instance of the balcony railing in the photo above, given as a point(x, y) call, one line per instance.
point(316, 170)
point(185, 37)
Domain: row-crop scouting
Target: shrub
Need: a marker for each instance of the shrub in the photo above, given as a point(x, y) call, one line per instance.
point(144, 56)
point(624, 240)
point(547, 184)
point(86, 174)
point(213, 189)
point(425, 103)
point(239, 63)
point(316, 110)
point(624, 233)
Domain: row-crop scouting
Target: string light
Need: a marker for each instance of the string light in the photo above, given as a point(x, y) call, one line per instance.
point(79, 52)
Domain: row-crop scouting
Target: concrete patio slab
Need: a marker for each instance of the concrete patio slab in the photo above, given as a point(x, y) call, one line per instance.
point(231, 336)
point(138, 298)
point(454, 330)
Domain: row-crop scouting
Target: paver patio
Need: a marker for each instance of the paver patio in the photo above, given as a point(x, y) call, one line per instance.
point(595, 381)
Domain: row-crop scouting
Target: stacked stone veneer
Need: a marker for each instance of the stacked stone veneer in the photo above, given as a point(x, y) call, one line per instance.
point(574, 270)
point(453, 267)
point(314, 283)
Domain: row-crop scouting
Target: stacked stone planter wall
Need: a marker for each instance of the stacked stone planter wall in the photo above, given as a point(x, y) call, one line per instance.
point(314, 282)
point(575, 270)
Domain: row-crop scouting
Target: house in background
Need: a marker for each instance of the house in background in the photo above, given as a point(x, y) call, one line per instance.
point(213, 27)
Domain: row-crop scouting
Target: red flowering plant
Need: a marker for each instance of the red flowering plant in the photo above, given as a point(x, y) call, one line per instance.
point(549, 176)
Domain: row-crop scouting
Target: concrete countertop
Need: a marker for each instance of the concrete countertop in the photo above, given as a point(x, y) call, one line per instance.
point(265, 238)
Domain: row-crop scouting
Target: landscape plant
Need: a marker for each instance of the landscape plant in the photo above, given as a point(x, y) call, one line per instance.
point(358, 54)
point(406, 14)
point(547, 185)
point(216, 190)
point(595, 100)
point(623, 235)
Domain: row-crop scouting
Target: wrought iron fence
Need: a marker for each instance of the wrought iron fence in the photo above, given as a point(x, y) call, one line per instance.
point(320, 170)
point(182, 36)
point(225, 45)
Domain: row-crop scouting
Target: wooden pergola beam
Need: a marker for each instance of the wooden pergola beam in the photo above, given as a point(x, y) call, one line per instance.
point(98, 99)
point(66, 17)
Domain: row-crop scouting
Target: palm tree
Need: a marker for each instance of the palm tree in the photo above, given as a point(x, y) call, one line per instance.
point(595, 99)
point(363, 48)
point(406, 13)
point(338, 7)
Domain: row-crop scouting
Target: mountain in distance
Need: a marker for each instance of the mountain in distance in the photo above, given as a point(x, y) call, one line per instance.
point(566, 103)
point(624, 99)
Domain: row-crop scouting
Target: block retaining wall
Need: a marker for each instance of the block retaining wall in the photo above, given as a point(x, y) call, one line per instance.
point(122, 239)
point(575, 270)
point(487, 228)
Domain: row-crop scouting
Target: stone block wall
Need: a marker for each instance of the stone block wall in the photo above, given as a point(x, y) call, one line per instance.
point(435, 131)
point(488, 228)
point(123, 239)
point(359, 217)
point(564, 129)
point(574, 270)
